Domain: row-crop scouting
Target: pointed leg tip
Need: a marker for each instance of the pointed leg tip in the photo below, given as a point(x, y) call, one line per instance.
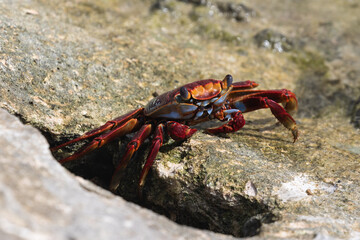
point(140, 193)
point(113, 187)
point(53, 149)
point(67, 159)
point(115, 180)
point(295, 133)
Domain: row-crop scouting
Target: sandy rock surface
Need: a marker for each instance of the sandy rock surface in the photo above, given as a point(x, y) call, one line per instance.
point(68, 67)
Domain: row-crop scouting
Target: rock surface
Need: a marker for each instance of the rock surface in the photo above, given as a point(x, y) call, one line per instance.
point(66, 68)
point(41, 200)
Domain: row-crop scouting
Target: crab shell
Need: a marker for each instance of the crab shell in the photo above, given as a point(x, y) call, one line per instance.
point(184, 102)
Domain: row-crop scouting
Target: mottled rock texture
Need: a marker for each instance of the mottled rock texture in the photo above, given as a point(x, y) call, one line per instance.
point(41, 200)
point(68, 67)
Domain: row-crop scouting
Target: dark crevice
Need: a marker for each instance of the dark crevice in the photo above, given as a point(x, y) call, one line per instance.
point(194, 206)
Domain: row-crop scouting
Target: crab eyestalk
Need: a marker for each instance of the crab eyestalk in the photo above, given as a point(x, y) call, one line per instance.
point(185, 94)
point(227, 82)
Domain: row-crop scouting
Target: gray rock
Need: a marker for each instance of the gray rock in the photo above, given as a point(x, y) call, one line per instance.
point(66, 68)
point(41, 200)
point(275, 41)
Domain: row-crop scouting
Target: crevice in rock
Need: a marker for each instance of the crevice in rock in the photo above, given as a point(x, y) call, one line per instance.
point(185, 203)
point(199, 207)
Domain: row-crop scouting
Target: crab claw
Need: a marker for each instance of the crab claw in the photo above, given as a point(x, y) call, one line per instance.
point(178, 131)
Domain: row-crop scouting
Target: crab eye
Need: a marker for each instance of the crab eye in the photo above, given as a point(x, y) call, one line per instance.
point(228, 80)
point(184, 93)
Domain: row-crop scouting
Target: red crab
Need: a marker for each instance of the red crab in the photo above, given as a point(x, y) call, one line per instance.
point(174, 112)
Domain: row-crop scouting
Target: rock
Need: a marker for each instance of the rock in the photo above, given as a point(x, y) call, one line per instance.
point(41, 200)
point(66, 68)
point(238, 11)
point(355, 118)
point(273, 40)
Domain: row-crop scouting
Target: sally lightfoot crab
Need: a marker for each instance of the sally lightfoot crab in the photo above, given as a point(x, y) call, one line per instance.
point(175, 112)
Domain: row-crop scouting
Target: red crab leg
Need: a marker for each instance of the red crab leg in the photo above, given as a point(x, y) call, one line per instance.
point(155, 146)
point(178, 131)
point(240, 86)
point(237, 122)
point(281, 96)
point(107, 126)
point(98, 142)
point(131, 148)
point(254, 103)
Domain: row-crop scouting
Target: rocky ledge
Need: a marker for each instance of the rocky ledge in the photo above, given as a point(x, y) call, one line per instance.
point(68, 67)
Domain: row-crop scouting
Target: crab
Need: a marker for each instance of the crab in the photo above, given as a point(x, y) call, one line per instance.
point(176, 114)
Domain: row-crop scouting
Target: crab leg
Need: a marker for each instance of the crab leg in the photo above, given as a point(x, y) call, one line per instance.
point(283, 96)
point(131, 148)
point(155, 146)
point(255, 103)
point(106, 127)
point(98, 142)
point(237, 122)
point(240, 86)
